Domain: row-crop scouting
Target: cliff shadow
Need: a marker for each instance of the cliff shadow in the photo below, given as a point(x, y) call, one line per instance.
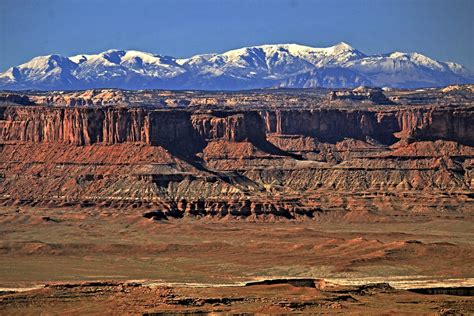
point(256, 133)
point(269, 148)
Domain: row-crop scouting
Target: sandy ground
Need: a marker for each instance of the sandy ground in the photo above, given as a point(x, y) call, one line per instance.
point(202, 258)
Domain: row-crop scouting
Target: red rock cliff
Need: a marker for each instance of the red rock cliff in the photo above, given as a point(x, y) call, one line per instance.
point(84, 126)
point(387, 126)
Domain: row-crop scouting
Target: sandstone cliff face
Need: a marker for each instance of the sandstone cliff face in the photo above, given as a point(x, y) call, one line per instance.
point(439, 124)
point(85, 126)
point(385, 126)
point(232, 126)
point(79, 126)
point(332, 125)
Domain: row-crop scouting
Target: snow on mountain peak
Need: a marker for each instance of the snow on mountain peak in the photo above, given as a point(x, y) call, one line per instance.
point(398, 55)
point(9, 74)
point(43, 66)
point(418, 59)
point(285, 65)
point(42, 62)
point(342, 46)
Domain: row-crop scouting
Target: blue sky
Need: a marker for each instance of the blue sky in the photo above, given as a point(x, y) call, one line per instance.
point(441, 29)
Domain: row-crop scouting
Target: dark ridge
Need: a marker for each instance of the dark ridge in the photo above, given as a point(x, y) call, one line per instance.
point(191, 312)
point(458, 291)
point(91, 283)
point(293, 282)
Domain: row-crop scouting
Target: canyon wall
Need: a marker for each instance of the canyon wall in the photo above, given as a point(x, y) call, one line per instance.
point(86, 126)
point(279, 162)
point(332, 125)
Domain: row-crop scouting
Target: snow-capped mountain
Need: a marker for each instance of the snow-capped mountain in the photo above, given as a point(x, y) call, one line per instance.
point(282, 65)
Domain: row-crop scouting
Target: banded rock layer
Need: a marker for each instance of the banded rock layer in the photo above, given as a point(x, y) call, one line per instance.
point(258, 162)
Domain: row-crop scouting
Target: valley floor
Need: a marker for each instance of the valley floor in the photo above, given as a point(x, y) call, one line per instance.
point(203, 264)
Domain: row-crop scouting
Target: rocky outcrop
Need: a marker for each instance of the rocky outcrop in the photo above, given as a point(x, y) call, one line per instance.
point(90, 98)
point(361, 94)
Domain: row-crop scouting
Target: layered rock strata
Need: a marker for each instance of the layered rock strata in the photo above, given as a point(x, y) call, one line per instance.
point(286, 163)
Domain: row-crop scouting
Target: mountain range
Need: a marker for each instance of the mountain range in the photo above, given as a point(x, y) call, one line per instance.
point(265, 66)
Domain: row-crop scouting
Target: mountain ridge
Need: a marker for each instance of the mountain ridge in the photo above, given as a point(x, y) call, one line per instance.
point(263, 66)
